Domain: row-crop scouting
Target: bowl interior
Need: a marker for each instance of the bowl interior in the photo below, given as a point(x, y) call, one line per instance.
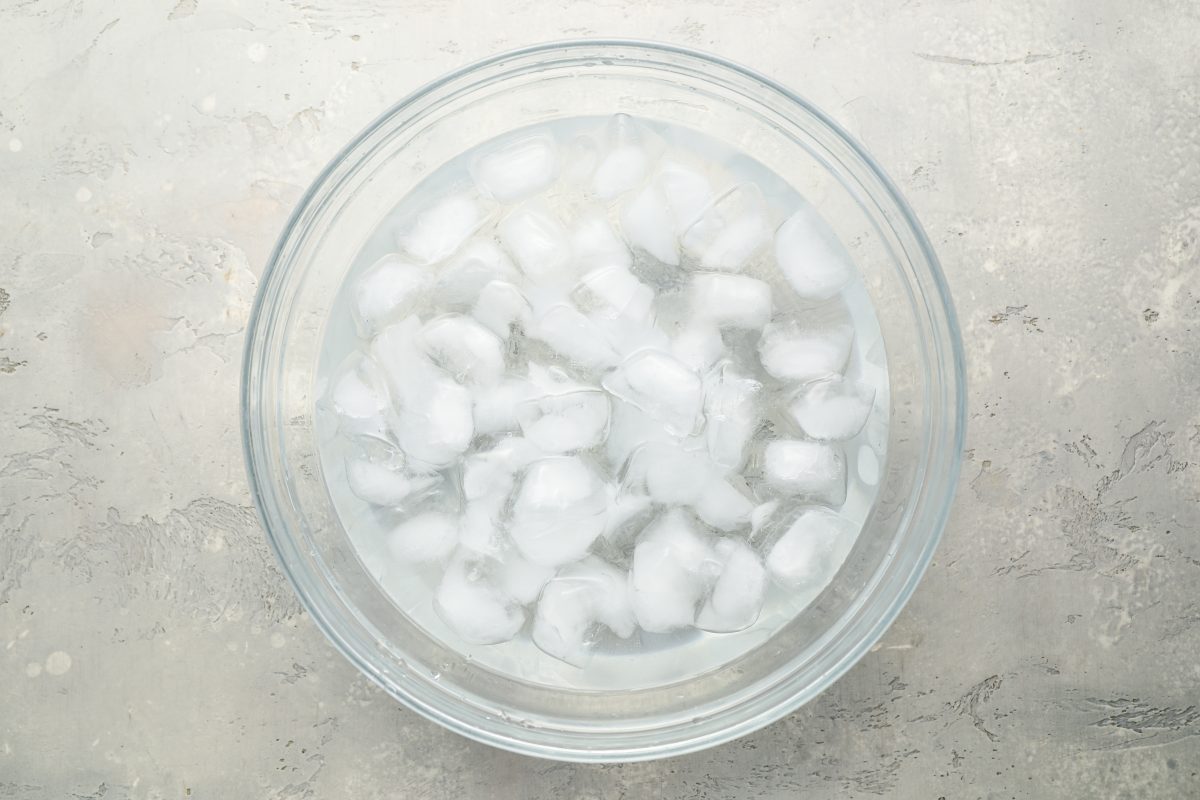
point(745, 111)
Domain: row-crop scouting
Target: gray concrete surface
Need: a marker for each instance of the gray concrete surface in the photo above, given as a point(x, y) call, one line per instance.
point(149, 153)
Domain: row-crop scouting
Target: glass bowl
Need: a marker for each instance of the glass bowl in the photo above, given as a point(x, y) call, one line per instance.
point(586, 78)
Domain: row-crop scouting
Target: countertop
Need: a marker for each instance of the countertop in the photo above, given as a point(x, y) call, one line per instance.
point(149, 154)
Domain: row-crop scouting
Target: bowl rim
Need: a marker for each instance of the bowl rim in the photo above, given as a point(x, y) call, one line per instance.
point(954, 370)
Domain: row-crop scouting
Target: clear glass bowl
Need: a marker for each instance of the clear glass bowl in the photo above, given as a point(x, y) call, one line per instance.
point(747, 111)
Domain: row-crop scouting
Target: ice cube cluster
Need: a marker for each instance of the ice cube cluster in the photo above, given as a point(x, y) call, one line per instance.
point(601, 390)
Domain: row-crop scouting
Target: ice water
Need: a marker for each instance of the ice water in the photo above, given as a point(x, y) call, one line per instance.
point(602, 404)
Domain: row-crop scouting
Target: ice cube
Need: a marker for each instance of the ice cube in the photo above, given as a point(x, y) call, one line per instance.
point(629, 336)
point(480, 262)
point(464, 348)
point(736, 244)
point(630, 149)
point(629, 429)
point(566, 422)
point(762, 515)
point(385, 484)
point(441, 229)
point(578, 599)
point(811, 257)
point(623, 510)
point(647, 222)
point(436, 420)
point(595, 245)
point(620, 170)
point(518, 169)
point(812, 550)
point(614, 292)
point(359, 390)
point(737, 595)
point(487, 482)
point(868, 465)
point(833, 408)
point(731, 231)
point(722, 505)
point(814, 469)
point(621, 307)
point(731, 408)
point(539, 243)
point(394, 350)
point(389, 290)
point(429, 536)
point(668, 473)
point(730, 301)
point(579, 159)
point(479, 527)
point(574, 336)
point(490, 473)
point(488, 478)
point(672, 566)
point(698, 344)
point(500, 307)
point(687, 192)
point(558, 512)
point(476, 610)
point(792, 352)
point(521, 579)
point(495, 410)
point(663, 387)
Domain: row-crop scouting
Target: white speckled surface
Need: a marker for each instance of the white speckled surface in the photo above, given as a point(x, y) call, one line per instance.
point(149, 153)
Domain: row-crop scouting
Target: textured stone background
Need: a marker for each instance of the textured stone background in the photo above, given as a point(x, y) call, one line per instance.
point(149, 153)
